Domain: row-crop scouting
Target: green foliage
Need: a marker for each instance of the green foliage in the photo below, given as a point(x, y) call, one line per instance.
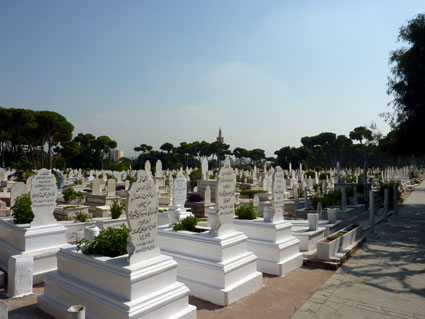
point(162, 210)
point(111, 242)
point(246, 212)
point(21, 211)
point(117, 208)
point(130, 178)
point(412, 175)
point(329, 199)
point(69, 194)
point(189, 224)
point(250, 193)
point(323, 175)
point(311, 174)
point(194, 177)
point(81, 217)
point(389, 185)
point(78, 181)
point(407, 87)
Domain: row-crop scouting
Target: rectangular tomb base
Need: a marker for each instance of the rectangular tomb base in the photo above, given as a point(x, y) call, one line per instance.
point(308, 238)
point(218, 269)
point(144, 290)
point(41, 242)
point(278, 251)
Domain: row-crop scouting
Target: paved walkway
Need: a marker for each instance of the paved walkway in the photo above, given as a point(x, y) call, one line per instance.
point(386, 278)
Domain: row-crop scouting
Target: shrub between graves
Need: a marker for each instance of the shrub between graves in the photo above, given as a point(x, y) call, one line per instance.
point(111, 242)
point(250, 193)
point(81, 217)
point(189, 224)
point(323, 175)
point(329, 199)
point(70, 194)
point(246, 212)
point(390, 186)
point(117, 208)
point(21, 211)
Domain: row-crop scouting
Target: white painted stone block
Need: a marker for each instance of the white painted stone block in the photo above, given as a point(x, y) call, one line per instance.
point(19, 279)
point(313, 221)
point(109, 288)
point(3, 310)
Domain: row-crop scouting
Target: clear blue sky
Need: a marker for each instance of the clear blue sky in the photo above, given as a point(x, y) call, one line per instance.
point(267, 72)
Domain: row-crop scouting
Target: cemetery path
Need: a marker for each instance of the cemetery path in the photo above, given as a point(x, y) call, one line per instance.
point(385, 278)
point(279, 297)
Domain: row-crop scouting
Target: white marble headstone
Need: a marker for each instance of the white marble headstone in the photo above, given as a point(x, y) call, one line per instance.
point(43, 198)
point(225, 200)
point(96, 188)
point(179, 190)
point(148, 167)
point(207, 195)
point(142, 210)
point(204, 168)
point(278, 194)
point(111, 187)
point(158, 169)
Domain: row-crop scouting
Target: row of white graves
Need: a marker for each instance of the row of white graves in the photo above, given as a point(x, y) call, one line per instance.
point(41, 239)
point(215, 265)
point(141, 284)
point(270, 238)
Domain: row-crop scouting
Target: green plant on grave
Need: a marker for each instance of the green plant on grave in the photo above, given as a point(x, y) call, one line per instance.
point(300, 192)
point(78, 181)
point(111, 242)
point(323, 175)
point(250, 193)
point(70, 194)
point(21, 210)
point(81, 217)
point(117, 208)
point(189, 224)
point(130, 178)
point(316, 187)
point(246, 212)
point(329, 199)
point(412, 175)
point(311, 174)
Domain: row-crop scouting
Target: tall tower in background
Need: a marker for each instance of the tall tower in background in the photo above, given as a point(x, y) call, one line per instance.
point(220, 138)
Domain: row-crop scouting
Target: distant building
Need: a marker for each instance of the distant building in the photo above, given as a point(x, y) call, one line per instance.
point(115, 155)
point(220, 137)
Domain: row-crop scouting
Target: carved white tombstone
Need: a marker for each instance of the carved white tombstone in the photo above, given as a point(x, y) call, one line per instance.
point(179, 190)
point(148, 167)
point(221, 219)
point(43, 198)
point(126, 184)
point(256, 202)
point(207, 195)
point(158, 169)
point(3, 176)
point(96, 188)
point(142, 210)
point(277, 197)
point(17, 190)
point(204, 168)
point(111, 187)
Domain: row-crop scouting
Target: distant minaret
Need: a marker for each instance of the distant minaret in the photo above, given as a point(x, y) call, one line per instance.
point(220, 138)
